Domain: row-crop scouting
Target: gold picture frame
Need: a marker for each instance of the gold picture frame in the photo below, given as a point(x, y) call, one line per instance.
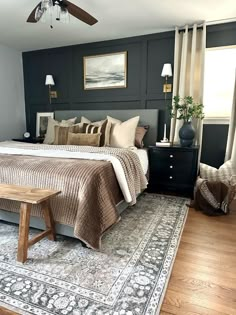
point(105, 71)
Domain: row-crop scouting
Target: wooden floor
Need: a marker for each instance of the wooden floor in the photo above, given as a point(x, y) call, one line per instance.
point(203, 280)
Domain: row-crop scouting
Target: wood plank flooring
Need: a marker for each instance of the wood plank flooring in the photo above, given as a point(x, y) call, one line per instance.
point(203, 280)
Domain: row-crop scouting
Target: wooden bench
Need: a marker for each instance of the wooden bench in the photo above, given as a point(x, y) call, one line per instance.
point(29, 196)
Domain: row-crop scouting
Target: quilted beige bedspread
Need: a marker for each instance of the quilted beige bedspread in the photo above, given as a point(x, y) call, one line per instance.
point(90, 190)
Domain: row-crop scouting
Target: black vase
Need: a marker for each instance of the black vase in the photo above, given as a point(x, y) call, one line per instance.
point(186, 134)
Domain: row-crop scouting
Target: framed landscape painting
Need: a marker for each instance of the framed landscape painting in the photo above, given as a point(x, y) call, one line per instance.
point(105, 71)
point(42, 123)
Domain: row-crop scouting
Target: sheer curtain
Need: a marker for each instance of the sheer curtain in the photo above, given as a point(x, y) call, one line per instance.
point(189, 72)
point(231, 143)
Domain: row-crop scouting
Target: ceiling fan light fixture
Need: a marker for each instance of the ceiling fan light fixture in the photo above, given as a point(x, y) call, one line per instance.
point(59, 10)
point(38, 13)
point(46, 4)
point(64, 15)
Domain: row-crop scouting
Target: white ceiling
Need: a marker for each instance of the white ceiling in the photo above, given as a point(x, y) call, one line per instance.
point(116, 19)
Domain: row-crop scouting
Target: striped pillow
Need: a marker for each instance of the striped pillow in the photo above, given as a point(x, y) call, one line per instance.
point(104, 129)
point(61, 134)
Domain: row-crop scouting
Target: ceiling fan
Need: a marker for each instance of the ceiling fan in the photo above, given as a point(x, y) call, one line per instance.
point(64, 8)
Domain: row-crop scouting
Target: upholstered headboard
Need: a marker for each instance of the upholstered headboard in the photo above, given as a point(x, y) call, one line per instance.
point(147, 117)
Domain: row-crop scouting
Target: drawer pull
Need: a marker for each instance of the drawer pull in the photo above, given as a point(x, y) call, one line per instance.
point(171, 156)
point(170, 177)
point(171, 166)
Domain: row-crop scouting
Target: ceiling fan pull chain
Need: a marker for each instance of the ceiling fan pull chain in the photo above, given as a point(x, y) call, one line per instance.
point(51, 24)
point(58, 17)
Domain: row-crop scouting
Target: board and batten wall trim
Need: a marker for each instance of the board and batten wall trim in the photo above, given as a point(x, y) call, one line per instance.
point(146, 56)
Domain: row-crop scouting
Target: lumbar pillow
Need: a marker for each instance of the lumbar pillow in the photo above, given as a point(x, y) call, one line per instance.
point(123, 133)
point(104, 129)
point(84, 139)
point(50, 135)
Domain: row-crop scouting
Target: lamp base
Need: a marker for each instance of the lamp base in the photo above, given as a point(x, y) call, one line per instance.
point(164, 140)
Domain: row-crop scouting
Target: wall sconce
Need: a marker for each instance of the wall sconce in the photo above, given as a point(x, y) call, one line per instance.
point(166, 72)
point(50, 82)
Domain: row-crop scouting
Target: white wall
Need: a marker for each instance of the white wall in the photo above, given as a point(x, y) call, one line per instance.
point(12, 103)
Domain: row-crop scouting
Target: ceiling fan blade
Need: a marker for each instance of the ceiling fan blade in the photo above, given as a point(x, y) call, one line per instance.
point(80, 14)
point(31, 18)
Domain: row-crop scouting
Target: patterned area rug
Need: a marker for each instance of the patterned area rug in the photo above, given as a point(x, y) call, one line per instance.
point(129, 276)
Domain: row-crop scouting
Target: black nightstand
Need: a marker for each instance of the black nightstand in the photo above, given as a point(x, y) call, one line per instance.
point(30, 140)
point(173, 169)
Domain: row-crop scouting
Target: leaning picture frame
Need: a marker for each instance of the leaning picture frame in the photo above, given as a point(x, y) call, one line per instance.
point(42, 123)
point(106, 71)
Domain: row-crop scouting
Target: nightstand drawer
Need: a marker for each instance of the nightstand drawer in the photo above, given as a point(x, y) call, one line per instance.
point(174, 177)
point(171, 155)
point(164, 160)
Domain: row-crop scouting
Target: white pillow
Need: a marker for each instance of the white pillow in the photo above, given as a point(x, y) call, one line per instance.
point(71, 120)
point(84, 120)
point(50, 134)
point(123, 133)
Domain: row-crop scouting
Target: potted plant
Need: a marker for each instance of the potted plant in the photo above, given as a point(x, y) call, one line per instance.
point(186, 109)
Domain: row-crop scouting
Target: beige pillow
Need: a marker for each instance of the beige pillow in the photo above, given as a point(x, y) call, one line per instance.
point(71, 120)
point(78, 128)
point(123, 133)
point(84, 139)
point(50, 135)
point(84, 120)
point(104, 129)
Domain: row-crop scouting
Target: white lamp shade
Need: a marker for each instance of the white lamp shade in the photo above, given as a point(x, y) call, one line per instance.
point(167, 70)
point(49, 80)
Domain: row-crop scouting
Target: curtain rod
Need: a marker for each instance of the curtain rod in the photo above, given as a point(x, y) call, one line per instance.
point(190, 29)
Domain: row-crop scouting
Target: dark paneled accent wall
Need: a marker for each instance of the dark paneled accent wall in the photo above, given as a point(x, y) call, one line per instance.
point(221, 35)
point(146, 56)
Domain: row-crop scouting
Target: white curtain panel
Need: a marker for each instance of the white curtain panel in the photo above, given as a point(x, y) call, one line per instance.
point(231, 143)
point(189, 72)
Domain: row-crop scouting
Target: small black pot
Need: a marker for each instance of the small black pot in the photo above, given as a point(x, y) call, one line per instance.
point(186, 134)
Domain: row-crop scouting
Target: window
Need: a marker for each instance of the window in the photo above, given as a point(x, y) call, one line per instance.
point(219, 78)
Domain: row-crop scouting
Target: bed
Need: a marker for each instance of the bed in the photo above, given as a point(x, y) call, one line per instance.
point(100, 195)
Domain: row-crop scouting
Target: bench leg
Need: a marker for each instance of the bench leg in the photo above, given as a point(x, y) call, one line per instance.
point(25, 209)
point(48, 217)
